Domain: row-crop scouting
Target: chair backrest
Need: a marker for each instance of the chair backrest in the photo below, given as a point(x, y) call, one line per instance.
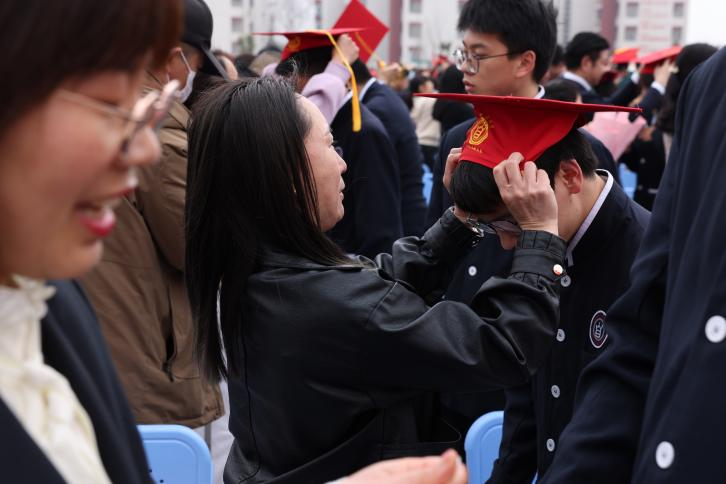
point(482, 446)
point(176, 455)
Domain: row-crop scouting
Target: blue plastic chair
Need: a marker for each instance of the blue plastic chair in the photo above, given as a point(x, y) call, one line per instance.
point(176, 455)
point(482, 446)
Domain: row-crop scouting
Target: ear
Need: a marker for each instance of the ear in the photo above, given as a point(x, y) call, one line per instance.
point(525, 66)
point(570, 176)
point(173, 57)
point(586, 63)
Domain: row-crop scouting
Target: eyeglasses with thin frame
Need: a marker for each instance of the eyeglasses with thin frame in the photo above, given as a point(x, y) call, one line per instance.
point(494, 227)
point(469, 62)
point(150, 110)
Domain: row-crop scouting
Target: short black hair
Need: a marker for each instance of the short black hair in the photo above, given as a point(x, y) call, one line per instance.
point(561, 90)
point(559, 56)
point(306, 63)
point(584, 44)
point(474, 190)
point(521, 25)
point(361, 72)
point(415, 84)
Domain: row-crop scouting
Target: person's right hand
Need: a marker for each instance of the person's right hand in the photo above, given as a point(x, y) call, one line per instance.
point(452, 161)
point(349, 49)
point(527, 194)
point(663, 72)
point(444, 469)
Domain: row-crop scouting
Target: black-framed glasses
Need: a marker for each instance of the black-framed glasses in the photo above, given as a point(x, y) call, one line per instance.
point(150, 110)
point(469, 62)
point(480, 228)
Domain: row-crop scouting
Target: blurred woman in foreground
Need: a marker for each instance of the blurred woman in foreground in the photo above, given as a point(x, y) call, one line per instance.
point(333, 361)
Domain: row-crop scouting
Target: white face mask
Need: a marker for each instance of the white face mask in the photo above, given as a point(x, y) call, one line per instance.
point(186, 91)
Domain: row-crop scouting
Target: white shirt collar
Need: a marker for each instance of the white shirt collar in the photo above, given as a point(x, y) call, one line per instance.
point(361, 92)
point(590, 217)
point(540, 92)
point(578, 79)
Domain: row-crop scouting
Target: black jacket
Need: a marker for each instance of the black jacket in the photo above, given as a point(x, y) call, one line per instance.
point(650, 408)
point(625, 93)
point(598, 272)
point(341, 361)
point(393, 113)
point(73, 345)
point(647, 160)
point(372, 203)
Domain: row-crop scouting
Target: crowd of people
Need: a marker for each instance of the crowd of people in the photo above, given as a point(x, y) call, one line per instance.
point(243, 246)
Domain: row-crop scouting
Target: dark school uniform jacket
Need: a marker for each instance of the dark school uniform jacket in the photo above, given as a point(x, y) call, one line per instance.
point(485, 259)
point(73, 345)
point(372, 202)
point(625, 93)
point(598, 266)
point(647, 160)
point(393, 113)
point(650, 408)
point(338, 359)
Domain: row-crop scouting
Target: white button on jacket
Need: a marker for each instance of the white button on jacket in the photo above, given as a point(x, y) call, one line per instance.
point(716, 329)
point(664, 455)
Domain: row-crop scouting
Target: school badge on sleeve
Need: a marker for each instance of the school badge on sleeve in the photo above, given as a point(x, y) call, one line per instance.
point(598, 335)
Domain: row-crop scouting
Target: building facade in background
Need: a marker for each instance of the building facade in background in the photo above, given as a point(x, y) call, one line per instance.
point(422, 29)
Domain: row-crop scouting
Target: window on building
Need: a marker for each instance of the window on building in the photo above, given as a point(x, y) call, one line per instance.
point(414, 30)
point(631, 9)
point(415, 54)
point(415, 6)
point(678, 9)
point(676, 35)
point(236, 3)
point(237, 24)
point(631, 33)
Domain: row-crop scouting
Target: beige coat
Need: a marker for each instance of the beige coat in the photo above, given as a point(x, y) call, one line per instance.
point(139, 293)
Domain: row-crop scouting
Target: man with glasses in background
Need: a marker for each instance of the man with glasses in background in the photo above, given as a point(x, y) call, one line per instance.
point(138, 289)
point(506, 49)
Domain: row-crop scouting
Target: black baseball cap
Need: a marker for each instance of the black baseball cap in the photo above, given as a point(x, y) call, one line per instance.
point(198, 27)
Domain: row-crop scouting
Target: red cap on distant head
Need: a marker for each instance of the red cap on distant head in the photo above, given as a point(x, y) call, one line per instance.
point(307, 39)
point(650, 61)
point(505, 124)
point(624, 55)
point(357, 15)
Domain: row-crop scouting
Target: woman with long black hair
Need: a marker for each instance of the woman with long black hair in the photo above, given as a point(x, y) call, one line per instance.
point(332, 360)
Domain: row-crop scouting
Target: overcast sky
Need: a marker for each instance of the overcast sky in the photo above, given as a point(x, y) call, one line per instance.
point(706, 22)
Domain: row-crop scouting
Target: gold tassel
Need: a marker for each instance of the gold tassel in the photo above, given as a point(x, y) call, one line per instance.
point(354, 85)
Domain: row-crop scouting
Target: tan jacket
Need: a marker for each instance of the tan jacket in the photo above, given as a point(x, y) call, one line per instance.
point(139, 293)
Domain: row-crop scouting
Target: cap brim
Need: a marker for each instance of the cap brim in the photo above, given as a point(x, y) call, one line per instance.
point(212, 66)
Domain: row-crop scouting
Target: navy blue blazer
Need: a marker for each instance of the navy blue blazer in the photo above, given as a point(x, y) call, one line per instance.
point(372, 203)
point(597, 274)
point(625, 93)
point(393, 113)
point(650, 408)
point(73, 345)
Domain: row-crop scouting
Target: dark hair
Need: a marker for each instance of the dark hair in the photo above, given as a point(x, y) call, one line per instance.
point(360, 69)
point(249, 185)
point(559, 56)
point(561, 90)
point(203, 83)
point(305, 63)
point(584, 44)
point(415, 84)
point(521, 25)
point(48, 43)
point(452, 80)
point(243, 62)
point(690, 57)
point(474, 190)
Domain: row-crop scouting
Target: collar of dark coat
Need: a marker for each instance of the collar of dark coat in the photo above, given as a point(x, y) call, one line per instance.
point(604, 228)
point(274, 257)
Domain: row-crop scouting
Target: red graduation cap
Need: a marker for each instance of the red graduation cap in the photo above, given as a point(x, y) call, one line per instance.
point(505, 124)
point(625, 55)
point(650, 61)
point(308, 39)
point(357, 15)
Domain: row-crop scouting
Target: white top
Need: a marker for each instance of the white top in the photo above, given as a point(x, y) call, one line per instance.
point(40, 397)
point(590, 216)
point(428, 130)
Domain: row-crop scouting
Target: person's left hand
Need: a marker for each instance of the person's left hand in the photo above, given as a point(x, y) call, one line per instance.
point(444, 469)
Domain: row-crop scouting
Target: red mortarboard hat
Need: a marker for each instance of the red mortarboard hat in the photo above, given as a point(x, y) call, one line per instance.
point(308, 39)
point(505, 124)
point(649, 61)
point(624, 55)
point(357, 15)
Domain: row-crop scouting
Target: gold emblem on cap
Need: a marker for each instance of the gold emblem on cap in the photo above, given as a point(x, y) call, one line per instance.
point(294, 44)
point(479, 132)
